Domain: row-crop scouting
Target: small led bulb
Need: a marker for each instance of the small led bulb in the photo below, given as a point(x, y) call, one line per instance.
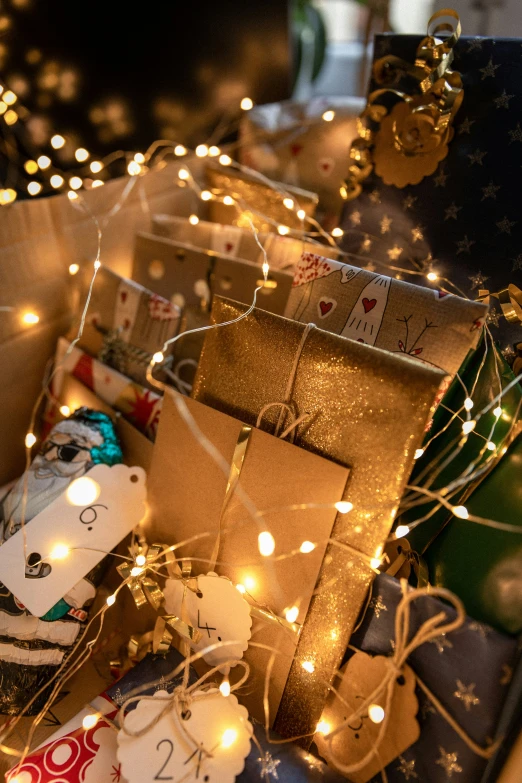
point(205, 195)
point(468, 403)
point(158, 357)
point(228, 200)
point(418, 453)
point(30, 319)
point(193, 220)
point(328, 115)
point(491, 446)
point(301, 214)
point(376, 713)
point(81, 155)
point(140, 560)
point(89, 722)
point(497, 411)
point(111, 600)
point(225, 160)
point(432, 276)
point(139, 157)
point(307, 547)
point(180, 150)
point(30, 440)
point(65, 410)
point(56, 181)
point(59, 552)
point(214, 151)
point(337, 232)
point(308, 666)
point(283, 230)
point(183, 174)
point(225, 687)
point(323, 727)
point(96, 166)
point(202, 150)
point(292, 614)
point(247, 104)
point(289, 203)
point(57, 141)
point(33, 188)
point(468, 426)
point(344, 506)
point(461, 512)
point(266, 543)
point(401, 531)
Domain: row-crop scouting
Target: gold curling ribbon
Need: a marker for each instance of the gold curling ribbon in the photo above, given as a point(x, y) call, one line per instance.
point(233, 477)
point(510, 300)
point(407, 142)
point(144, 588)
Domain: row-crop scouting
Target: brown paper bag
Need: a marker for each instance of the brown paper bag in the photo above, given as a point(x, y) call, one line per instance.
point(186, 492)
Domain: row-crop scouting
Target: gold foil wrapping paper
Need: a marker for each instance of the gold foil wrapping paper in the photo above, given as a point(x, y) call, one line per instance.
point(367, 409)
point(260, 203)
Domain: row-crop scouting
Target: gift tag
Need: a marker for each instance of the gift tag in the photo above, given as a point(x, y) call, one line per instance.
point(208, 744)
point(360, 677)
point(218, 611)
point(96, 511)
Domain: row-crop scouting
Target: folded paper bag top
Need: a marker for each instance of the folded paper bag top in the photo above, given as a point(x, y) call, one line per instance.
point(427, 324)
point(367, 409)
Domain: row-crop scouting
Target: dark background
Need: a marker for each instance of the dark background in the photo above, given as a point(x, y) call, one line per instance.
point(117, 75)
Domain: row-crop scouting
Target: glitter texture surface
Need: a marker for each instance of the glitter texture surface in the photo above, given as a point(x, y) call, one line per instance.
point(259, 201)
point(367, 410)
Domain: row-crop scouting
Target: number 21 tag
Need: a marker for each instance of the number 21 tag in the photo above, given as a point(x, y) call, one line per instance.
point(208, 743)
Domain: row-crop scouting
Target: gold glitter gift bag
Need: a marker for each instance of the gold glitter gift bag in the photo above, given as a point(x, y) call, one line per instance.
point(365, 409)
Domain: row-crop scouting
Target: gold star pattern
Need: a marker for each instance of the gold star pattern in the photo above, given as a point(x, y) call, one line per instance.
point(493, 317)
point(440, 179)
point(465, 125)
point(409, 201)
point(366, 245)
point(517, 263)
point(516, 134)
point(507, 671)
point(449, 762)
point(490, 191)
point(370, 266)
point(441, 643)
point(375, 197)
point(502, 102)
point(477, 281)
point(465, 693)
point(488, 70)
point(482, 630)
point(417, 234)
point(464, 245)
point(407, 768)
point(355, 218)
point(476, 43)
point(477, 157)
point(378, 605)
point(427, 709)
point(269, 765)
point(385, 224)
point(451, 212)
point(505, 225)
point(394, 253)
point(509, 355)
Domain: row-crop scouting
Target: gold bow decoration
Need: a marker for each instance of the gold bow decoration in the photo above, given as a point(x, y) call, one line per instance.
point(405, 136)
point(509, 299)
point(145, 589)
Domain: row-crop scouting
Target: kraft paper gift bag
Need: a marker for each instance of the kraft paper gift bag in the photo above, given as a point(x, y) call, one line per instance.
point(366, 409)
point(275, 474)
point(283, 252)
point(290, 141)
point(126, 323)
point(259, 204)
point(428, 324)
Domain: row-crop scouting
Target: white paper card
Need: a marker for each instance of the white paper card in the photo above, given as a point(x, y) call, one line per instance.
point(218, 611)
point(225, 239)
point(213, 747)
point(96, 511)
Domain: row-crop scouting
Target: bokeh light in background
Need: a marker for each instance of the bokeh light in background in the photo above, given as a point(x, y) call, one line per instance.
point(111, 76)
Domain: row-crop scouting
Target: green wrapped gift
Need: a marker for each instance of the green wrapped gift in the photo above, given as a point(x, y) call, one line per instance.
point(478, 563)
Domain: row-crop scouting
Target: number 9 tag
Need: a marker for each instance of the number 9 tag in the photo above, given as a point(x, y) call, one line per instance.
point(218, 611)
point(208, 744)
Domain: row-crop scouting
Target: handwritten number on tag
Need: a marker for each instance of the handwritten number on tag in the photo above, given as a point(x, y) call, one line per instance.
point(91, 518)
point(159, 775)
point(206, 627)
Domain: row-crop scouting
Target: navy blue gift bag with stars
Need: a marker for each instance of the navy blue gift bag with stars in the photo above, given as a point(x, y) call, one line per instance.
point(463, 220)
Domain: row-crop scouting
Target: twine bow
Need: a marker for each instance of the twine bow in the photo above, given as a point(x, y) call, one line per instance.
point(429, 630)
point(408, 555)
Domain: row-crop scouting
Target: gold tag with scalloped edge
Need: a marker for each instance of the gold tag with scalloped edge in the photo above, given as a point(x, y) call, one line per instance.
point(359, 678)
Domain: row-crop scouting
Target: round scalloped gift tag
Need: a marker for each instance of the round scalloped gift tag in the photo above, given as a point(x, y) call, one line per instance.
point(219, 612)
point(208, 745)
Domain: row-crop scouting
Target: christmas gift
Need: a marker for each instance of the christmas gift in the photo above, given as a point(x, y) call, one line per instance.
point(256, 202)
point(431, 186)
point(433, 326)
point(190, 276)
point(473, 560)
point(32, 647)
point(80, 755)
point(458, 675)
point(305, 144)
point(126, 324)
point(218, 532)
point(140, 406)
point(365, 409)
point(282, 252)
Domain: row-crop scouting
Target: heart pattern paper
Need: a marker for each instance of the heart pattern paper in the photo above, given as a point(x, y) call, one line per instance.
point(426, 324)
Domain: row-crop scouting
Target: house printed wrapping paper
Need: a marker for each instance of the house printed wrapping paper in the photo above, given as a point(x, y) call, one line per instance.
point(433, 326)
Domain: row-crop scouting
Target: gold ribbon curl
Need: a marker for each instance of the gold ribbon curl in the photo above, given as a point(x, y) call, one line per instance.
point(509, 299)
point(406, 142)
